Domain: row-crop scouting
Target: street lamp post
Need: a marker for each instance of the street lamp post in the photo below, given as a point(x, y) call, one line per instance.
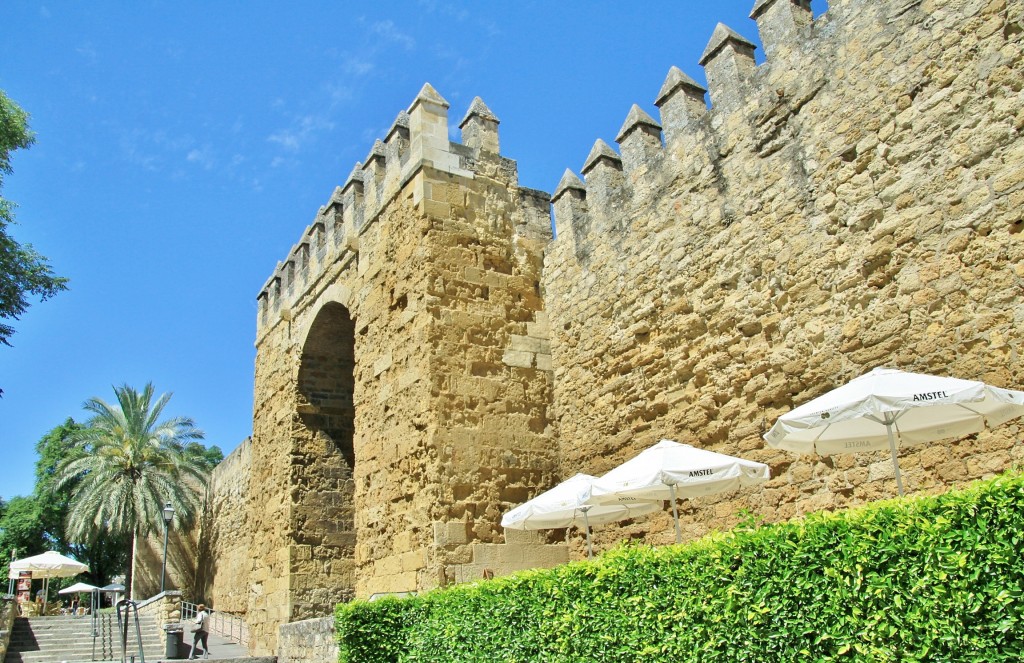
point(168, 513)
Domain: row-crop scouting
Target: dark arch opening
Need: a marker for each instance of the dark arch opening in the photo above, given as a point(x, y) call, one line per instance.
point(326, 379)
point(323, 461)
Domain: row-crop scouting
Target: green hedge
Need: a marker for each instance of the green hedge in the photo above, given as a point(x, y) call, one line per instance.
point(919, 579)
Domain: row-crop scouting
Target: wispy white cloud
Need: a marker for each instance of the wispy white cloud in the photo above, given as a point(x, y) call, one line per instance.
point(448, 9)
point(283, 162)
point(136, 149)
point(339, 93)
point(455, 58)
point(354, 66)
point(202, 157)
point(489, 27)
point(174, 50)
point(387, 30)
point(370, 51)
point(166, 151)
point(88, 52)
point(370, 134)
point(301, 130)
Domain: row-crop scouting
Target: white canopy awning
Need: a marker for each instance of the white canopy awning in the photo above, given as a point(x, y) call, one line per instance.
point(569, 504)
point(914, 407)
point(47, 565)
point(78, 587)
point(565, 505)
point(669, 470)
point(887, 408)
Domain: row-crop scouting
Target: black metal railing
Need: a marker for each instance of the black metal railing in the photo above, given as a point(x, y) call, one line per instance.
point(128, 608)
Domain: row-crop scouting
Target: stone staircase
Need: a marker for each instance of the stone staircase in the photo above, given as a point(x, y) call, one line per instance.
point(70, 640)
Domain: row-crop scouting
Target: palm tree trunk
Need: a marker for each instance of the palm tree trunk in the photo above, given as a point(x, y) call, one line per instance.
point(130, 575)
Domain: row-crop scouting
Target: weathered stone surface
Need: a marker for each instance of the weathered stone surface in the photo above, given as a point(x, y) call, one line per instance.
point(429, 360)
point(8, 611)
point(226, 537)
point(308, 641)
point(849, 205)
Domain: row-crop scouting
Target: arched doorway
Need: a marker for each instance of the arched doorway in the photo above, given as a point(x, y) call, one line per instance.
point(323, 460)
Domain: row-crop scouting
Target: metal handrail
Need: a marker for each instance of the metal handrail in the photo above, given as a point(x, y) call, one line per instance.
point(224, 624)
point(94, 613)
point(122, 629)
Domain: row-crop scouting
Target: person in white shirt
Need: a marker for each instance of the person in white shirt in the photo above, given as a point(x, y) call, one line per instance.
point(200, 629)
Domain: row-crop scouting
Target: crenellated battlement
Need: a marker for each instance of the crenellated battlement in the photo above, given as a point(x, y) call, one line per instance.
point(694, 131)
point(417, 138)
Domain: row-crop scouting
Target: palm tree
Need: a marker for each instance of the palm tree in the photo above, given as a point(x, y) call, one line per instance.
point(131, 463)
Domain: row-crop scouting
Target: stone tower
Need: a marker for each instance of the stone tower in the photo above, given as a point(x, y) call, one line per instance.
point(403, 376)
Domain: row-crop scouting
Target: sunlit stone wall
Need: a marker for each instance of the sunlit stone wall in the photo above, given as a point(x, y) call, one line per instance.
point(855, 201)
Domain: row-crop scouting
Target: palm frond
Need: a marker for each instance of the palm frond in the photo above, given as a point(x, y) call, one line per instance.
point(133, 463)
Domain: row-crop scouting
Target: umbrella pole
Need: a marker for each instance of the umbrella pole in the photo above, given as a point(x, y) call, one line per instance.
point(586, 524)
point(895, 460)
point(675, 514)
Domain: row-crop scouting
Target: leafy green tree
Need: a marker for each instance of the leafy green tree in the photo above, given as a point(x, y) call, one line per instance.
point(105, 555)
point(22, 271)
point(130, 463)
point(21, 531)
point(36, 523)
point(32, 524)
point(208, 457)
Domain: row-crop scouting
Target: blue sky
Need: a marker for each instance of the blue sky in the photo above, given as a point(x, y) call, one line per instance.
point(182, 148)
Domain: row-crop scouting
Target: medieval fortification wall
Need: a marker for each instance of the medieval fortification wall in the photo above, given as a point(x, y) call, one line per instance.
point(853, 202)
point(428, 356)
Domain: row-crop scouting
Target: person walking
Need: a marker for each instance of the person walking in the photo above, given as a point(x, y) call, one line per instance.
point(200, 629)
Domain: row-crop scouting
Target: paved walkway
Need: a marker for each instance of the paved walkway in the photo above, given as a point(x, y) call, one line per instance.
point(220, 647)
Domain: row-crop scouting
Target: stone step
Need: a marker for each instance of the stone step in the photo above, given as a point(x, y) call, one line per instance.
point(81, 657)
point(83, 645)
point(84, 653)
point(71, 635)
point(64, 639)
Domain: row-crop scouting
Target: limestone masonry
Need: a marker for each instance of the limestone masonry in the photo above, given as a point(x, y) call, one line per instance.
point(429, 355)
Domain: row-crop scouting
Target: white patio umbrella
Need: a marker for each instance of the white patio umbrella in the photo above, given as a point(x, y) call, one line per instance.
point(567, 504)
point(670, 470)
point(888, 408)
point(48, 565)
point(77, 588)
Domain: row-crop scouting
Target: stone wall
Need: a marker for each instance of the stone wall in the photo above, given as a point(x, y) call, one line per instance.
point(308, 641)
point(225, 536)
point(853, 202)
point(428, 358)
point(8, 611)
point(402, 376)
point(164, 608)
point(147, 561)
